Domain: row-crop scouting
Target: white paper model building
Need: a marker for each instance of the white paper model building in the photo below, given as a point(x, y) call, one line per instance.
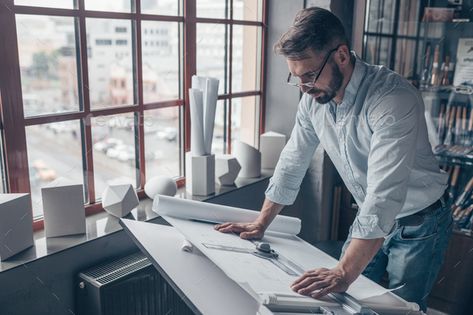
point(249, 158)
point(271, 145)
point(162, 185)
point(226, 169)
point(119, 200)
point(16, 224)
point(63, 208)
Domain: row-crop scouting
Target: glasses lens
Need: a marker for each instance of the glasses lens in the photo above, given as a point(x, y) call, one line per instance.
point(293, 80)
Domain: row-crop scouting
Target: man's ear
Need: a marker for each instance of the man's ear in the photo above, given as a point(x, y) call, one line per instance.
point(343, 55)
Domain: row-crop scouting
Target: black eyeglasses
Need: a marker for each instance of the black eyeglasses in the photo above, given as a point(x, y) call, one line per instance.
point(294, 81)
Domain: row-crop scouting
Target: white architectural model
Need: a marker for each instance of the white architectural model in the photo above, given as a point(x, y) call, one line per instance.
point(200, 174)
point(200, 162)
point(16, 224)
point(162, 185)
point(63, 207)
point(226, 169)
point(271, 145)
point(249, 158)
point(119, 200)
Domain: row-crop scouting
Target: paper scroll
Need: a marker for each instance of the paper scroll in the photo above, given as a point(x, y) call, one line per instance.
point(202, 211)
point(202, 107)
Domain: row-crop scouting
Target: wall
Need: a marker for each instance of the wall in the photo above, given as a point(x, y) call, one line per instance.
point(314, 202)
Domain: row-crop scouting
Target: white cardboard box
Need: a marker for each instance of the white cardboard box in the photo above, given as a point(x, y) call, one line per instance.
point(63, 207)
point(16, 224)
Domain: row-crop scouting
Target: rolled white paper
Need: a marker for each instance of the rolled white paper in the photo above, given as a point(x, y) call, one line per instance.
point(198, 82)
point(186, 246)
point(197, 128)
point(203, 211)
point(210, 105)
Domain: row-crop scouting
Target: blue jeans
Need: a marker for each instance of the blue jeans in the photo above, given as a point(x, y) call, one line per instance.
point(412, 255)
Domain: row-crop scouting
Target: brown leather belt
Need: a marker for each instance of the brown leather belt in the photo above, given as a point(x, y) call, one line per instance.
point(418, 217)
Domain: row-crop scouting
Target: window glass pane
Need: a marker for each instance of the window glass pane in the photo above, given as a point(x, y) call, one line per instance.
point(405, 57)
point(377, 50)
point(212, 52)
point(161, 7)
point(62, 4)
point(380, 17)
point(54, 151)
point(408, 17)
point(245, 120)
point(219, 141)
point(216, 9)
point(109, 50)
point(161, 61)
point(162, 139)
point(114, 150)
point(249, 10)
point(47, 53)
point(108, 5)
point(246, 58)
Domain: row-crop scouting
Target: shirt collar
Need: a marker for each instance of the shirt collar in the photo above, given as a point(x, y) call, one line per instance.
point(355, 81)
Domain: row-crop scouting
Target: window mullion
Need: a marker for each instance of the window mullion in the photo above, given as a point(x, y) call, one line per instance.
point(190, 68)
point(87, 123)
point(13, 121)
point(138, 83)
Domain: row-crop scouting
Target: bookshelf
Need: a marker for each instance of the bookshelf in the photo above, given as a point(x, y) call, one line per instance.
point(427, 42)
point(430, 43)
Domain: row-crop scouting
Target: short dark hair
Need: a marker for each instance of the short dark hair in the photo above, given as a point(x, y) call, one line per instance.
point(313, 28)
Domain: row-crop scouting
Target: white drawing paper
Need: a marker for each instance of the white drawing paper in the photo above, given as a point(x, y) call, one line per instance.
point(260, 277)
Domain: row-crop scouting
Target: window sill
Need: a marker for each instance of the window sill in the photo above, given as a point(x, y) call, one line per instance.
point(103, 224)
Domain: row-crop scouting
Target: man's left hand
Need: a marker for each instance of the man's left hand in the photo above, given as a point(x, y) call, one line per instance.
point(320, 282)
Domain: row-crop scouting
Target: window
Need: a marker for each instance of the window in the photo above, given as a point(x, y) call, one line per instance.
point(95, 91)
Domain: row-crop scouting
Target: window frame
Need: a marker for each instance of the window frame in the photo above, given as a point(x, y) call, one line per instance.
point(14, 123)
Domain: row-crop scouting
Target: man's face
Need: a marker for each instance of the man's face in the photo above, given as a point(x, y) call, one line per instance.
point(330, 78)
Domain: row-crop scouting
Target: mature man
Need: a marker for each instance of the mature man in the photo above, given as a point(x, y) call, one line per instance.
point(371, 123)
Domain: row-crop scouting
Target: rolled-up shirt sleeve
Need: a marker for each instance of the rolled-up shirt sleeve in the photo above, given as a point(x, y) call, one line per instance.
point(394, 121)
point(294, 159)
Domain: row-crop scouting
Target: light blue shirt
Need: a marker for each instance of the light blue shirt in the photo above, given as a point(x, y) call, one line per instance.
point(377, 139)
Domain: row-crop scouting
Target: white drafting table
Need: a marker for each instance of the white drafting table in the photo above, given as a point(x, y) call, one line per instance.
point(201, 284)
point(204, 287)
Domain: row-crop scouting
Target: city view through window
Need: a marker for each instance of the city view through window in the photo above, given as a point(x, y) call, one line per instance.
point(49, 55)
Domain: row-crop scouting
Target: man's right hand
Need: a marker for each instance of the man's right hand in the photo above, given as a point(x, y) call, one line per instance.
point(246, 231)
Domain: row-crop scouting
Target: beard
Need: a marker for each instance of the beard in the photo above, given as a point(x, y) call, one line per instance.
point(326, 95)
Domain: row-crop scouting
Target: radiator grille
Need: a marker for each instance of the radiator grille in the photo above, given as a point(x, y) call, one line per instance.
point(130, 285)
point(117, 269)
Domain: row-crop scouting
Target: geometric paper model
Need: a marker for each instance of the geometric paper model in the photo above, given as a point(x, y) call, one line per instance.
point(249, 159)
point(271, 145)
point(226, 169)
point(200, 174)
point(63, 208)
point(119, 200)
point(16, 224)
point(162, 185)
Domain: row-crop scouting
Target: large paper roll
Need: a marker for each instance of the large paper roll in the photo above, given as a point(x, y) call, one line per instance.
point(203, 211)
